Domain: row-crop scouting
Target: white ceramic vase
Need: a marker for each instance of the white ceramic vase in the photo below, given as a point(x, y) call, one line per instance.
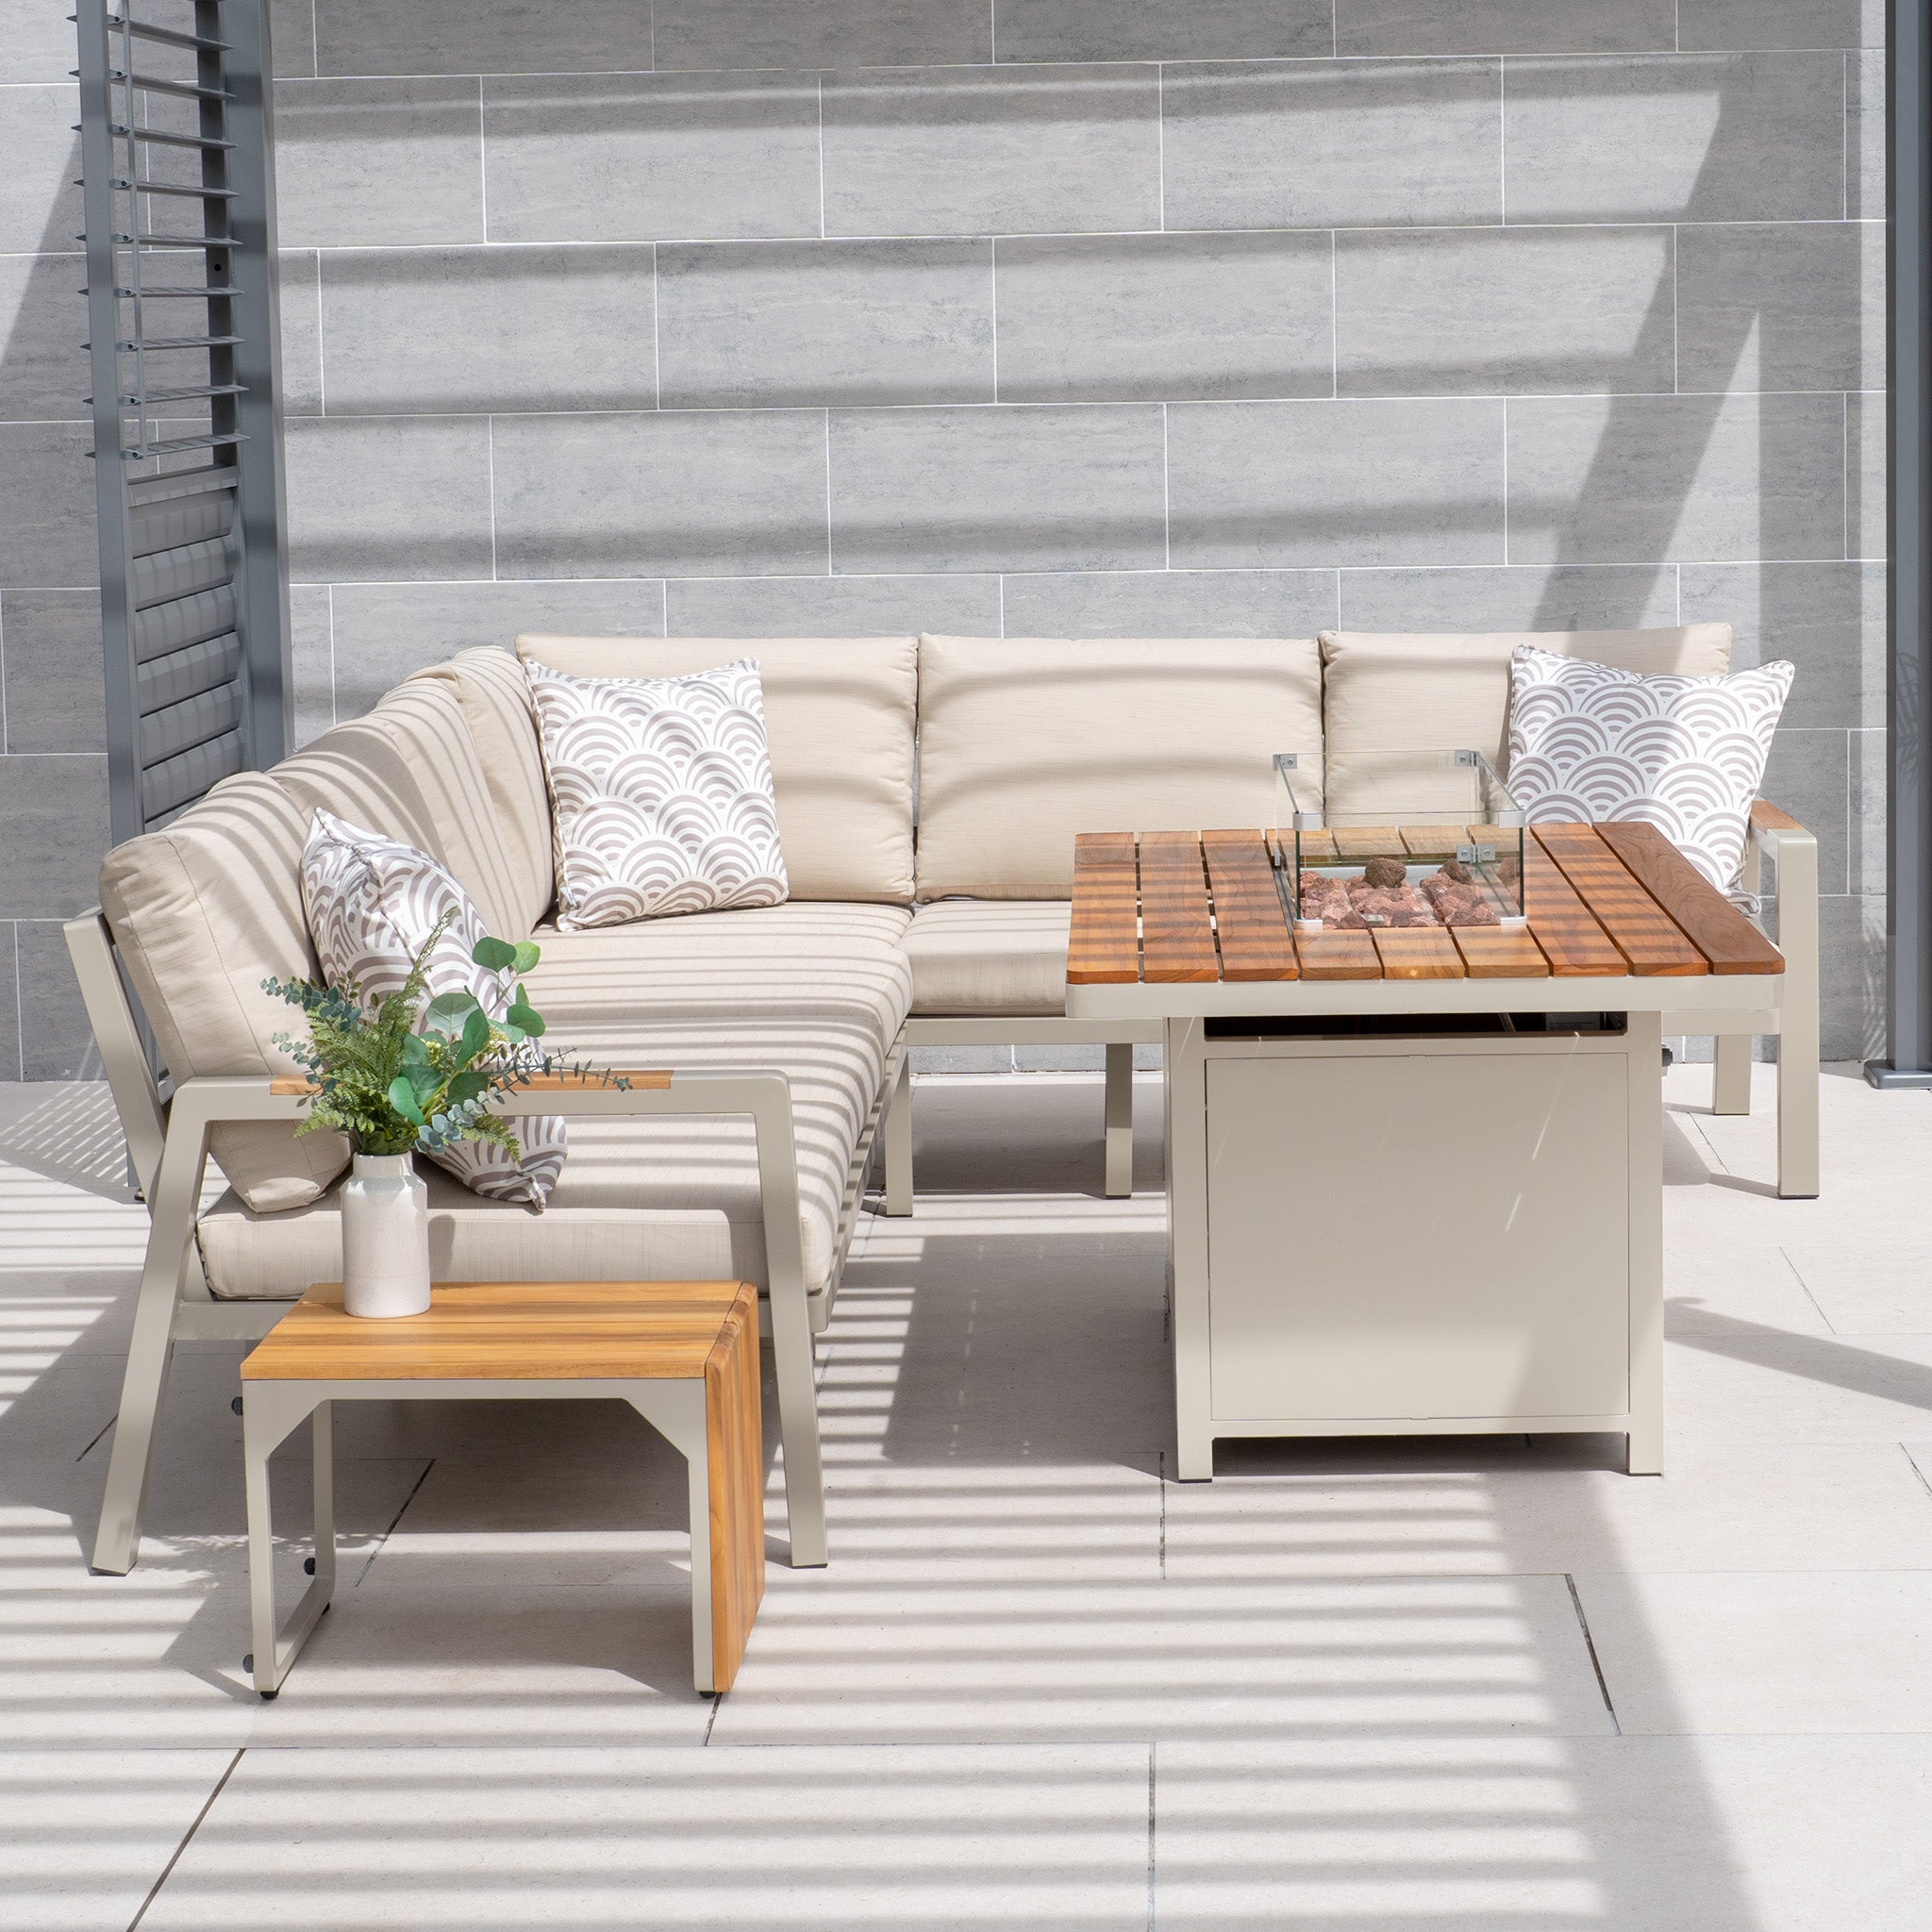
point(385, 1237)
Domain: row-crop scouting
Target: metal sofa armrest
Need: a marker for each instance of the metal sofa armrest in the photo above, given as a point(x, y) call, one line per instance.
point(1772, 826)
point(1794, 852)
point(173, 1204)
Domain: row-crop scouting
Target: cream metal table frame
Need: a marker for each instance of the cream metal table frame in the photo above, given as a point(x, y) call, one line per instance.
point(1183, 1008)
point(168, 1146)
point(272, 1410)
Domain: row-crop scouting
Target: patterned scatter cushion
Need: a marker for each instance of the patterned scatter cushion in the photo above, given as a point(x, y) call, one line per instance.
point(1683, 754)
point(371, 903)
point(660, 793)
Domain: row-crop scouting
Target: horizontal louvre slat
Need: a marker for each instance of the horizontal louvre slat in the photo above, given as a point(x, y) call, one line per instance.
point(183, 673)
point(167, 36)
point(143, 492)
point(186, 620)
point(175, 522)
point(180, 727)
point(180, 572)
point(167, 140)
point(166, 786)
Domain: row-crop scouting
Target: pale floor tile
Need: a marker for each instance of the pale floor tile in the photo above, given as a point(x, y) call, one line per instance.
point(1706, 1287)
point(998, 1413)
point(1744, 1652)
point(1765, 1506)
point(1809, 1834)
point(465, 1656)
point(1869, 1286)
point(1177, 1659)
point(790, 1839)
point(1742, 1381)
point(85, 1834)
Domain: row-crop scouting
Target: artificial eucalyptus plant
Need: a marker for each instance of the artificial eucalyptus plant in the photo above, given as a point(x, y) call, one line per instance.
point(394, 1089)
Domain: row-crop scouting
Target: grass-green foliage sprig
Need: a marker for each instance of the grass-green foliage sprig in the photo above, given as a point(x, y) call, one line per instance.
point(393, 1088)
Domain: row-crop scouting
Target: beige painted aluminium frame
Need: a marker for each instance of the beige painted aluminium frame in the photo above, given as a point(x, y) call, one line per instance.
point(1794, 1022)
point(272, 1411)
point(1118, 1036)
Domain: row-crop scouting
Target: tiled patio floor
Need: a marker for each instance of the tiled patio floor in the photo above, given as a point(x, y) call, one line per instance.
point(1459, 1685)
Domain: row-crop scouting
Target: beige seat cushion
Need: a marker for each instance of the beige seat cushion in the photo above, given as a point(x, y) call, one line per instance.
point(202, 912)
point(838, 721)
point(1026, 742)
point(1385, 691)
point(990, 956)
point(817, 991)
point(490, 685)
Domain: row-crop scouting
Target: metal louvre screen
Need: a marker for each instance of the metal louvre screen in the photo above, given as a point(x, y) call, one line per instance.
point(185, 354)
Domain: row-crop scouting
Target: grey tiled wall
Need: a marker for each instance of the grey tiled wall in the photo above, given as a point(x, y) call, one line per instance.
point(746, 317)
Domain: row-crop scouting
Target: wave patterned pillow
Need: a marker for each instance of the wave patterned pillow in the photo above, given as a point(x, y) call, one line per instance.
point(660, 793)
point(1683, 754)
point(371, 902)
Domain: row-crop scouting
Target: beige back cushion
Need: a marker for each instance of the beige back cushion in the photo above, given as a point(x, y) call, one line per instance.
point(489, 686)
point(410, 769)
point(1385, 691)
point(203, 911)
point(1026, 742)
point(206, 908)
point(839, 720)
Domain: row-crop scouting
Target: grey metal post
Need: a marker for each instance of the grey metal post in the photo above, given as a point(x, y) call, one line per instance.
point(1909, 572)
point(262, 495)
point(110, 496)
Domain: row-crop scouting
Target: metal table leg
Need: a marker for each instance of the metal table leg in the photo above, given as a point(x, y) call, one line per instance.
point(271, 1412)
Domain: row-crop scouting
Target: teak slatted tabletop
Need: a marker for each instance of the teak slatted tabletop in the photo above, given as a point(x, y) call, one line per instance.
point(1191, 923)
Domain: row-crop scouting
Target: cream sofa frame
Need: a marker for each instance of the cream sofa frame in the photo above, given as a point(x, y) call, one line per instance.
point(1793, 851)
point(1119, 1037)
point(168, 1146)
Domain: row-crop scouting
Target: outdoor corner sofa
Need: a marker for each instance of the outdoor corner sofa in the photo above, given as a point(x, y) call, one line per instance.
point(780, 1033)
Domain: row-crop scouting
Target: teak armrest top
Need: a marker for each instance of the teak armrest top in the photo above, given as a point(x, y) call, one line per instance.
point(660, 1078)
point(1766, 817)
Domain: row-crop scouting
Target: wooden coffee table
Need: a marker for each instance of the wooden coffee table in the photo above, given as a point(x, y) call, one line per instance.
point(1414, 1176)
point(683, 1354)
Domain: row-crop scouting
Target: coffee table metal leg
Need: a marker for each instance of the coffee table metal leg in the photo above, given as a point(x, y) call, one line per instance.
point(270, 1414)
point(676, 1411)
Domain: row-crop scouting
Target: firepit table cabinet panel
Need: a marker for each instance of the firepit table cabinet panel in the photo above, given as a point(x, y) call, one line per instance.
point(1414, 1176)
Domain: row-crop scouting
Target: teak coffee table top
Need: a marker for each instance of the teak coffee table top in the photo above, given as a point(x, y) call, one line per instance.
point(619, 1331)
point(1603, 902)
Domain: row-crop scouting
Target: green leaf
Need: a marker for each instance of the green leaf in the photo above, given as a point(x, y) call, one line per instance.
point(401, 1097)
point(523, 1015)
point(415, 1051)
point(449, 1012)
point(495, 956)
point(476, 1034)
point(527, 955)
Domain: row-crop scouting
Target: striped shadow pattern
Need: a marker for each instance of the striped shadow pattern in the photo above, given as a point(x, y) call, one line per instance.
point(1589, 743)
point(660, 793)
point(371, 903)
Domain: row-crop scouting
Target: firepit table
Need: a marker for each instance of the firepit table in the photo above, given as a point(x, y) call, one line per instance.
point(1414, 1175)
